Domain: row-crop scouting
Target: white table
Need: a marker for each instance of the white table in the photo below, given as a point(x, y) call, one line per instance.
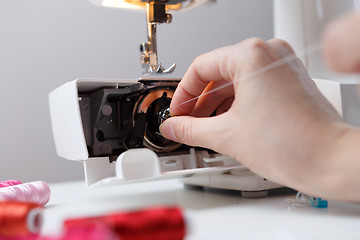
point(213, 214)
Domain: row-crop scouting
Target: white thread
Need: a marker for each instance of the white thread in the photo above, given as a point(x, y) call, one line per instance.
point(305, 52)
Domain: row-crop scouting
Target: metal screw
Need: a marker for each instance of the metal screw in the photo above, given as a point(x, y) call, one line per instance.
point(106, 110)
point(165, 115)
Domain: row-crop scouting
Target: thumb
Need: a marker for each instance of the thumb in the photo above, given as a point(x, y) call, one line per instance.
point(201, 132)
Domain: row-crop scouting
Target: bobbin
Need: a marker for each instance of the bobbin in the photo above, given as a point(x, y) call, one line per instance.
point(155, 104)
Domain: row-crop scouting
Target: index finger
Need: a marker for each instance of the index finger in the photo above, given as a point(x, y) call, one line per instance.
point(209, 67)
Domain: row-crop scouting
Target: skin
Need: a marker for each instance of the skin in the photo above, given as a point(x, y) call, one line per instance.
point(276, 123)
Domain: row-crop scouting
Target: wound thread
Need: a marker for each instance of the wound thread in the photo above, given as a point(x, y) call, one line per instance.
point(9, 183)
point(161, 223)
point(33, 192)
point(20, 219)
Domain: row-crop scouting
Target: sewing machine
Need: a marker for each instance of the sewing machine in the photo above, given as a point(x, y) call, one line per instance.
point(112, 125)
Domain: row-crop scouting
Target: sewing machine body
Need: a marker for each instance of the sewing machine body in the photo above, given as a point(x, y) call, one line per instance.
point(104, 135)
point(70, 114)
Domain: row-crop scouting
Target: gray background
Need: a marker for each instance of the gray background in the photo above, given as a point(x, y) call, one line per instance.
point(45, 43)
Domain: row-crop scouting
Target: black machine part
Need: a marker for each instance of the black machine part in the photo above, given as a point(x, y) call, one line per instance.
point(126, 117)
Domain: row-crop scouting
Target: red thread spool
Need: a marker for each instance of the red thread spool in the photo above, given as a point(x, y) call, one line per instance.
point(20, 219)
point(93, 231)
point(161, 223)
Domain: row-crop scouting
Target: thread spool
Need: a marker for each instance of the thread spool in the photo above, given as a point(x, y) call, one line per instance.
point(89, 232)
point(34, 192)
point(9, 183)
point(20, 219)
point(161, 223)
point(93, 231)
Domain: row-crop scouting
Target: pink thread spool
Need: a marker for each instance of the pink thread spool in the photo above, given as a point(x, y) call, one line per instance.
point(34, 192)
point(9, 183)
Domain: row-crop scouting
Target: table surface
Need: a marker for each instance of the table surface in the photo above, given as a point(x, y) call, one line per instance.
point(212, 214)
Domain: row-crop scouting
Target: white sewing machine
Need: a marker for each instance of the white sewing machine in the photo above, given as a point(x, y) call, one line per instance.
point(301, 23)
point(111, 125)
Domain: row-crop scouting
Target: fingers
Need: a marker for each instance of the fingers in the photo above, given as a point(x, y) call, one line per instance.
point(225, 106)
point(213, 96)
point(280, 48)
point(201, 132)
point(218, 66)
point(342, 44)
point(207, 68)
point(222, 67)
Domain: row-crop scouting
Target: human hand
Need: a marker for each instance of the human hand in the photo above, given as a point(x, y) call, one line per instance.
point(276, 123)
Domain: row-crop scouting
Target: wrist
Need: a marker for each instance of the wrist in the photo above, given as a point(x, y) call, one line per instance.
point(335, 168)
point(344, 166)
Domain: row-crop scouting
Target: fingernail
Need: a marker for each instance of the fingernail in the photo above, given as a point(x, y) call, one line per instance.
point(167, 130)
